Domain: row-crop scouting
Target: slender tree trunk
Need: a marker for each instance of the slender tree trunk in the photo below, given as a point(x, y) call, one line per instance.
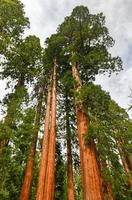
point(69, 162)
point(106, 185)
point(50, 176)
point(69, 156)
point(26, 186)
point(125, 164)
point(89, 167)
point(70, 172)
point(129, 158)
point(10, 114)
point(45, 148)
point(110, 192)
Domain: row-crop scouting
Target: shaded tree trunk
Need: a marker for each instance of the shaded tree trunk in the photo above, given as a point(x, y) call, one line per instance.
point(69, 156)
point(110, 192)
point(70, 172)
point(50, 175)
point(106, 184)
point(26, 186)
point(129, 159)
point(125, 163)
point(45, 148)
point(89, 167)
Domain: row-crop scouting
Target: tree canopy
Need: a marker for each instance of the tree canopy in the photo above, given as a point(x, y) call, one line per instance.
point(61, 135)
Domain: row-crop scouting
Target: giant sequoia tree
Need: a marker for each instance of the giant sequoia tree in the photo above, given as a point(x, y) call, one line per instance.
point(86, 42)
point(84, 151)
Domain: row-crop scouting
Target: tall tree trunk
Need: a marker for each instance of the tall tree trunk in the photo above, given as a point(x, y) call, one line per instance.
point(69, 156)
point(14, 101)
point(70, 172)
point(89, 167)
point(45, 148)
point(125, 164)
point(50, 176)
point(110, 192)
point(26, 186)
point(70, 168)
point(106, 185)
point(129, 159)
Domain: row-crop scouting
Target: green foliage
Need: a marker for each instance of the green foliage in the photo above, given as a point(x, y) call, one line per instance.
point(87, 43)
point(12, 22)
point(83, 39)
point(78, 184)
point(109, 125)
point(89, 94)
point(24, 61)
point(12, 102)
point(13, 162)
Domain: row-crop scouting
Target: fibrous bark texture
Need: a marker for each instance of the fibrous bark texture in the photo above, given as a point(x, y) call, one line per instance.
point(69, 156)
point(45, 189)
point(50, 175)
point(89, 167)
point(44, 153)
point(26, 186)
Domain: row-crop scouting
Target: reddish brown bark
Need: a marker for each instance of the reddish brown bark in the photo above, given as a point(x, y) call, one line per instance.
point(129, 158)
point(125, 163)
point(44, 153)
point(26, 186)
point(106, 185)
point(89, 167)
point(70, 172)
point(110, 192)
point(69, 156)
point(50, 176)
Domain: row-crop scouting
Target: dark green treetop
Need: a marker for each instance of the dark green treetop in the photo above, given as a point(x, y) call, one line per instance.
point(23, 60)
point(87, 41)
point(12, 22)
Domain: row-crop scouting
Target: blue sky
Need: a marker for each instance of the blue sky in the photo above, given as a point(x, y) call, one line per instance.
point(46, 15)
